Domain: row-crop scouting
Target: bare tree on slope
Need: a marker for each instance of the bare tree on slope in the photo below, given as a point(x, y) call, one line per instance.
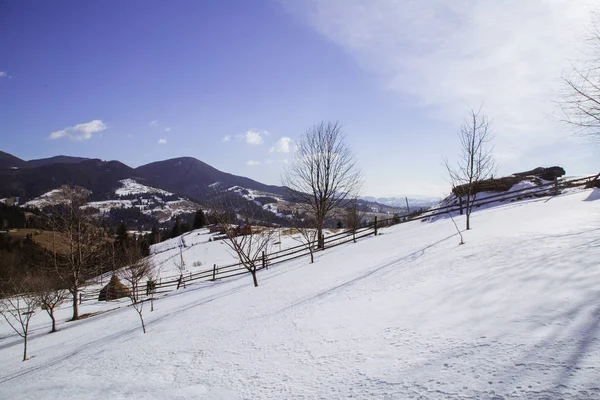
point(476, 161)
point(18, 305)
point(323, 174)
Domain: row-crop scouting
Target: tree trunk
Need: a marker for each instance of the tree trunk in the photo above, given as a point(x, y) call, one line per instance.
point(253, 272)
point(142, 319)
point(25, 347)
point(468, 207)
point(51, 312)
point(312, 258)
point(320, 239)
point(75, 292)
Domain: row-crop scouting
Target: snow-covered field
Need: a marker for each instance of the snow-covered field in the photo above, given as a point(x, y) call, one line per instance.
point(512, 314)
point(196, 247)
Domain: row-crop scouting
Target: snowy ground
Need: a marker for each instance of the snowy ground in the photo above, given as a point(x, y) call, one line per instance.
point(512, 314)
point(200, 253)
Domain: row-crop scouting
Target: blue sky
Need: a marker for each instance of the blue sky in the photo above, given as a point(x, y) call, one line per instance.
point(234, 83)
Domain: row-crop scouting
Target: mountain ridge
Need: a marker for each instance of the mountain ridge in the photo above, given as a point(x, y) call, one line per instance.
point(186, 176)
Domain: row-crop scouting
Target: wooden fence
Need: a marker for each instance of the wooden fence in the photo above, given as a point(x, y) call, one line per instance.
point(170, 283)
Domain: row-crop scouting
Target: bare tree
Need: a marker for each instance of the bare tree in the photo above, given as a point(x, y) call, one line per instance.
point(51, 295)
point(305, 226)
point(581, 100)
point(323, 174)
point(18, 305)
point(181, 267)
point(457, 230)
point(80, 254)
point(476, 161)
point(354, 216)
point(248, 242)
point(137, 269)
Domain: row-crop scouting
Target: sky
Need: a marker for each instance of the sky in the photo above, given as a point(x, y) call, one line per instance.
point(236, 83)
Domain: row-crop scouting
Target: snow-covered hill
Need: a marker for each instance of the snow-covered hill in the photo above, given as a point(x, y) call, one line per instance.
point(268, 201)
point(152, 201)
point(512, 314)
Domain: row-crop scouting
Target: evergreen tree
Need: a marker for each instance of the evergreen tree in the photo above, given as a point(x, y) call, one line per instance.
point(144, 248)
point(185, 227)
point(154, 235)
point(122, 237)
point(199, 219)
point(176, 231)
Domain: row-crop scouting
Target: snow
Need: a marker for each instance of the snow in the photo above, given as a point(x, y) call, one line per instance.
point(107, 205)
point(511, 314)
point(252, 194)
point(525, 188)
point(198, 245)
point(131, 187)
point(47, 199)
point(148, 200)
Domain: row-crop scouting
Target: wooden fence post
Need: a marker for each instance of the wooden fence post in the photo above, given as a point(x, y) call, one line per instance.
point(460, 204)
point(179, 281)
point(264, 261)
point(375, 225)
point(80, 298)
point(214, 272)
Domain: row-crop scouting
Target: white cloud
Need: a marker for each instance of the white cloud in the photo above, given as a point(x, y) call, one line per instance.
point(255, 137)
point(3, 74)
point(162, 141)
point(282, 145)
point(80, 132)
point(252, 163)
point(154, 124)
point(446, 55)
point(168, 129)
point(227, 138)
point(268, 161)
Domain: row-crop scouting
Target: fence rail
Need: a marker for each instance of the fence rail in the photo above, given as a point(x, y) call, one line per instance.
point(174, 282)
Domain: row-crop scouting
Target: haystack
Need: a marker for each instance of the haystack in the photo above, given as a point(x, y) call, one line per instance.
point(113, 290)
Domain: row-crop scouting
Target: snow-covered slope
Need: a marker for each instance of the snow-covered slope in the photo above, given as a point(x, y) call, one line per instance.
point(151, 201)
point(130, 187)
point(255, 195)
point(512, 314)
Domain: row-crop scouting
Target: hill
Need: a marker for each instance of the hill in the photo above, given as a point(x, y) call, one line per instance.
point(54, 160)
point(10, 161)
point(511, 314)
point(100, 177)
point(196, 179)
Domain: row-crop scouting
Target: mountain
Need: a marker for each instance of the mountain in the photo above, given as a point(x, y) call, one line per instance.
point(100, 177)
point(196, 179)
point(400, 202)
point(54, 160)
point(10, 161)
point(181, 177)
point(185, 176)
